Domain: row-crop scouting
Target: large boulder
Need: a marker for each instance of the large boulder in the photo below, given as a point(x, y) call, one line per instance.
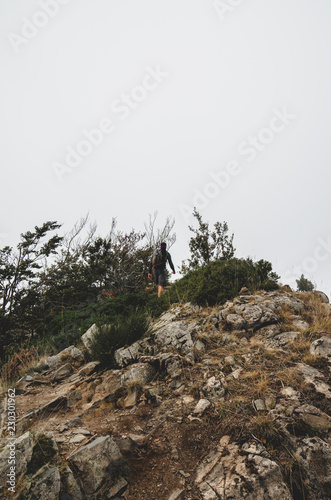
point(142, 373)
point(322, 296)
point(20, 450)
point(95, 462)
point(251, 313)
point(69, 486)
point(69, 355)
point(89, 335)
point(316, 378)
point(314, 458)
point(62, 372)
point(175, 335)
point(321, 347)
point(277, 302)
point(236, 472)
point(128, 355)
point(46, 484)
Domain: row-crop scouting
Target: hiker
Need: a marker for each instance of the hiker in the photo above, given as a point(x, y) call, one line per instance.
point(157, 268)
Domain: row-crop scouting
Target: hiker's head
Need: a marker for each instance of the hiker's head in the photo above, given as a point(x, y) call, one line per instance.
point(163, 247)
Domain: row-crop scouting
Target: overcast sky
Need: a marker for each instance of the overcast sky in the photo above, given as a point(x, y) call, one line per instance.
point(124, 107)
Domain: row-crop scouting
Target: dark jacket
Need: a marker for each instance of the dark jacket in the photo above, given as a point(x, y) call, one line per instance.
point(162, 265)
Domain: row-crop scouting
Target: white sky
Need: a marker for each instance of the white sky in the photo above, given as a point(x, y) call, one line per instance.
point(223, 78)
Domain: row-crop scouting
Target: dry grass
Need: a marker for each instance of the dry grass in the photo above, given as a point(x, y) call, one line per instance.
point(316, 362)
point(317, 314)
point(262, 388)
point(290, 377)
point(264, 428)
point(252, 376)
point(285, 319)
point(20, 363)
point(300, 345)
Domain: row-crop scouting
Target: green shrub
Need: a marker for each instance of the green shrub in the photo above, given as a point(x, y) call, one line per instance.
point(124, 330)
point(304, 285)
point(222, 280)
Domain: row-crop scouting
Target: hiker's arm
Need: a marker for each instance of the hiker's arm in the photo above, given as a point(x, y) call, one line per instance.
point(171, 263)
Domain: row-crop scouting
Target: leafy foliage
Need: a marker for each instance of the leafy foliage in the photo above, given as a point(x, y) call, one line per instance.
point(207, 246)
point(222, 280)
point(18, 279)
point(304, 285)
point(47, 281)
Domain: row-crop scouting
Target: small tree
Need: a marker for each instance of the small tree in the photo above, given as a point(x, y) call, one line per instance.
point(19, 271)
point(207, 246)
point(304, 285)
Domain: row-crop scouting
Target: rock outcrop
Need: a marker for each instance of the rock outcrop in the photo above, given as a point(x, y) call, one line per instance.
point(214, 403)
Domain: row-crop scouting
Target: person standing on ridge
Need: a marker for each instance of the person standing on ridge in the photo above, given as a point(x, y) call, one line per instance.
point(157, 268)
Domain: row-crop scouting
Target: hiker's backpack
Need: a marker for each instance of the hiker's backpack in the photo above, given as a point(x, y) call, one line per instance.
point(157, 257)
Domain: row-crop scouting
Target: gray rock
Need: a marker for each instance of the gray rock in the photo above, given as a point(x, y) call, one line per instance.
point(71, 354)
point(73, 423)
point(236, 321)
point(282, 339)
point(301, 325)
point(118, 488)
point(237, 472)
point(202, 405)
point(19, 449)
point(61, 372)
point(259, 405)
point(292, 303)
point(140, 372)
point(78, 438)
point(73, 398)
point(215, 387)
point(270, 402)
point(57, 404)
point(174, 366)
point(178, 494)
point(289, 392)
point(168, 333)
point(88, 368)
point(131, 400)
point(314, 417)
point(89, 336)
point(251, 313)
point(315, 377)
point(321, 347)
point(80, 430)
point(48, 485)
point(322, 296)
point(128, 355)
point(199, 346)
point(94, 462)
point(69, 486)
point(314, 457)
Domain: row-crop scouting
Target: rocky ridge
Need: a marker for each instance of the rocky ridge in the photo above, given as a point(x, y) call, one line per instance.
point(224, 402)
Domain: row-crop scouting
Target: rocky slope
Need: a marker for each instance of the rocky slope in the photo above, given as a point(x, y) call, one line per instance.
point(216, 403)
